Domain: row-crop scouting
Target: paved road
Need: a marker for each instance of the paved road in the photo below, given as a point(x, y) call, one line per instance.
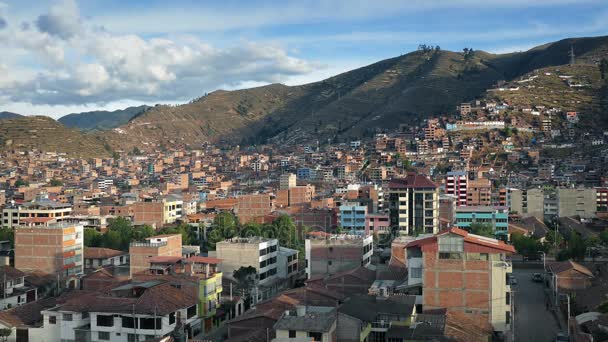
point(533, 322)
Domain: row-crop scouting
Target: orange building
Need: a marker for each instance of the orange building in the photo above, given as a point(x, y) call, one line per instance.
point(479, 192)
point(159, 245)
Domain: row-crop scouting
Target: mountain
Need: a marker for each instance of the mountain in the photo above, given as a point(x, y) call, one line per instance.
point(100, 120)
point(42, 133)
point(404, 89)
point(9, 115)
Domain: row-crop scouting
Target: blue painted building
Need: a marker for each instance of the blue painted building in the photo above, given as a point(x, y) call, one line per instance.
point(496, 216)
point(352, 218)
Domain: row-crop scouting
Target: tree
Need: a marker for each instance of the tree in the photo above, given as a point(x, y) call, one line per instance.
point(7, 234)
point(604, 237)
point(224, 226)
point(20, 182)
point(56, 182)
point(525, 245)
point(482, 229)
point(92, 238)
point(5, 333)
point(604, 68)
point(112, 239)
point(245, 276)
point(576, 247)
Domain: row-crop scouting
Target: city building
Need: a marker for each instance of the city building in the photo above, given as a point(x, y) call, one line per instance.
point(287, 265)
point(495, 217)
point(253, 208)
point(456, 186)
point(352, 218)
point(577, 202)
point(463, 273)
point(169, 245)
point(307, 323)
point(414, 205)
point(39, 212)
point(378, 224)
point(15, 291)
point(96, 257)
point(332, 253)
point(479, 192)
point(287, 180)
point(56, 249)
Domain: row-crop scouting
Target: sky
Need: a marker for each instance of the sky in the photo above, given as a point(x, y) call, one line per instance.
point(65, 56)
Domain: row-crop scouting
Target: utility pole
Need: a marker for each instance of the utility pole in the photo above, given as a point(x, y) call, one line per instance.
point(513, 314)
point(568, 318)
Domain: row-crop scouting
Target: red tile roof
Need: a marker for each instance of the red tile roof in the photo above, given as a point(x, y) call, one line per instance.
point(471, 238)
point(559, 267)
point(162, 259)
point(412, 181)
point(101, 253)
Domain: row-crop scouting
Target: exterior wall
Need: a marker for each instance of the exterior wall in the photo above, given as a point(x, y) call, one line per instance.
point(498, 218)
point(97, 263)
point(287, 180)
point(456, 185)
point(148, 213)
point(479, 192)
point(501, 296)
point(55, 249)
point(13, 217)
point(335, 255)
point(299, 195)
point(349, 328)
point(415, 210)
point(251, 207)
point(164, 245)
point(242, 253)
point(582, 202)
point(572, 280)
point(377, 224)
point(352, 218)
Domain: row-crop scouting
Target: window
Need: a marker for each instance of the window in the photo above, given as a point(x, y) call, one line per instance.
point(317, 336)
point(67, 317)
point(191, 311)
point(131, 338)
point(508, 298)
point(128, 322)
point(150, 323)
point(105, 321)
point(171, 318)
point(508, 317)
point(450, 256)
point(416, 272)
point(103, 335)
point(329, 262)
point(85, 315)
point(292, 334)
point(52, 319)
point(451, 243)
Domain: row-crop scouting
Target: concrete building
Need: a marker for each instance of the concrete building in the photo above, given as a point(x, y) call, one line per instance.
point(379, 224)
point(259, 253)
point(527, 203)
point(496, 217)
point(414, 205)
point(36, 213)
point(456, 185)
point(54, 249)
point(287, 180)
point(330, 254)
point(159, 245)
point(577, 202)
point(479, 192)
point(307, 323)
point(352, 218)
point(287, 265)
point(464, 273)
point(96, 257)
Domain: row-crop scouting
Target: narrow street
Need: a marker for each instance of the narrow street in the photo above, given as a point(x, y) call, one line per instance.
point(533, 322)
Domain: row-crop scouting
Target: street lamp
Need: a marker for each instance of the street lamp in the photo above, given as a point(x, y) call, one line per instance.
point(568, 319)
point(544, 261)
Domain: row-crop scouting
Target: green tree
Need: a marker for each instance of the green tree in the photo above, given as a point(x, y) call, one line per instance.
point(224, 226)
point(604, 237)
point(7, 234)
point(5, 333)
point(482, 229)
point(551, 238)
point(56, 182)
point(92, 238)
point(112, 239)
point(20, 182)
point(576, 247)
point(251, 229)
point(245, 276)
point(525, 245)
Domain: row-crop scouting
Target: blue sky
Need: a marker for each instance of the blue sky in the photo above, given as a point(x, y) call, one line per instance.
point(65, 56)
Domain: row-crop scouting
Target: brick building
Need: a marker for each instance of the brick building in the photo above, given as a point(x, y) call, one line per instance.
point(54, 249)
point(330, 253)
point(253, 208)
point(463, 273)
point(159, 245)
point(479, 192)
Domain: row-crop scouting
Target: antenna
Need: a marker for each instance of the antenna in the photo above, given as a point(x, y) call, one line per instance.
point(571, 54)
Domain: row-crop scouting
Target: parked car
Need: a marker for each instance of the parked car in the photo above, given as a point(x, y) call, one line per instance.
point(537, 278)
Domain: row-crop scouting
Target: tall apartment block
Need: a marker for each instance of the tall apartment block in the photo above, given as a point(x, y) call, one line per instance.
point(159, 245)
point(330, 253)
point(56, 248)
point(414, 205)
point(287, 180)
point(456, 186)
point(465, 273)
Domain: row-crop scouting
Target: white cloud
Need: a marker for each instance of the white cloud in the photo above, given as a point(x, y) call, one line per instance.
point(76, 63)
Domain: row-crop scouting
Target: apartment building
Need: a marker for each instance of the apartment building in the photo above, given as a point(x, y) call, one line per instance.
point(253, 208)
point(496, 217)
point(465, 273)
point(456, 186)
point(414, 205)
point(259, 253)
point(352, 218)
point(39, 212)
point(159, 245)
point(549, 203)
point(158, 213)
point(577, 202)
point(287, 265)
point(378, 224)
point(56, 248)
point(333, 253)
point(479, 192)
point(602, 199)
point(287, 180)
